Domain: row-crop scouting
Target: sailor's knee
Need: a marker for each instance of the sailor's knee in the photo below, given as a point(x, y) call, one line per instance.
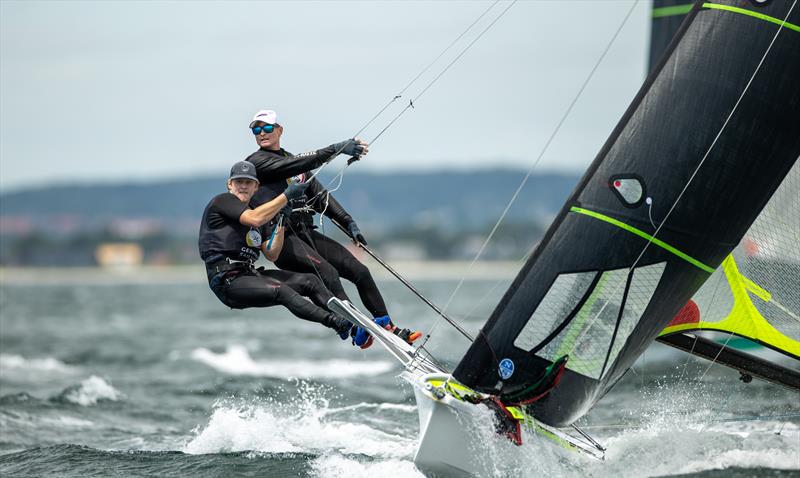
point(329, 273)
point(312, 282)
point(359, 271)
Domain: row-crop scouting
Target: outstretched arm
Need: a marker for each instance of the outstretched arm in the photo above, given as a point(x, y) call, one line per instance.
point(273, 165)
point(262, 214)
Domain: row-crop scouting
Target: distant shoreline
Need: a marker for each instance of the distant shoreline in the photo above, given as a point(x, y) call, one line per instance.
point(190, 274)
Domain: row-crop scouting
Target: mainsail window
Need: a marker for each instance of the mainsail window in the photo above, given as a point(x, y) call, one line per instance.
point(629, 188)
point(561, 299)
point(643, 285)
point(592, 338)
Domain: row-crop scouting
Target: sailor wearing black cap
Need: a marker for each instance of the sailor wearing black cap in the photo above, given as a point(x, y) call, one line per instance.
point(231, 237)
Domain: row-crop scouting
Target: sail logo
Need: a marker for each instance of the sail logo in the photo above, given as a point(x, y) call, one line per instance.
point(506, 368)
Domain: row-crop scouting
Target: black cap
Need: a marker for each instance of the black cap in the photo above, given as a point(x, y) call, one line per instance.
point(243, 170)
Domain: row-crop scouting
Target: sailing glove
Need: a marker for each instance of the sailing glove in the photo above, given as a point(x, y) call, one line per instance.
point(355, 233)
point(285, 211)
point(295, 190)
point(349, 147)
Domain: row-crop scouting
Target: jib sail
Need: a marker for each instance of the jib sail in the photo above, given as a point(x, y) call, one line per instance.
point(755, 293)
point(696, 157)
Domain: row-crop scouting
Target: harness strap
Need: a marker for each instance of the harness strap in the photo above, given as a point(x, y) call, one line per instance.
point(227, 265)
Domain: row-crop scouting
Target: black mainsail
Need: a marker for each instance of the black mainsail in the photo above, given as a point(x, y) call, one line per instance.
point(695, 158)
point(667, 18)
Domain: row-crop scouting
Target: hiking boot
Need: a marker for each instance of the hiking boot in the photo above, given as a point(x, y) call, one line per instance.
point(361, 338)
point(407, 335)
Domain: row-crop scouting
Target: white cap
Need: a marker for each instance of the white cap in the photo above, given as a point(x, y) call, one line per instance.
point(265, 116)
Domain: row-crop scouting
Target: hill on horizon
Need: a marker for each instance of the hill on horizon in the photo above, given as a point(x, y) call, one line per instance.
point(379, 201)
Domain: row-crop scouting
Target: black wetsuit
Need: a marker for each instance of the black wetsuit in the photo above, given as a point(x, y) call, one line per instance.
point(305, 249)
point(229, 249)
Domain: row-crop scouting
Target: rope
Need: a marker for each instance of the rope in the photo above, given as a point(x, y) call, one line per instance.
point(536, 162)
point(422, 72)
point(436, 78)
point(340, 174)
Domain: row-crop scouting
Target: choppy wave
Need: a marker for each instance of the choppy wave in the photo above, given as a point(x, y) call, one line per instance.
point(302, 425)
point(90, 391)
point(379, 406)
point(44, 364)
point(349, 467)
point(236, 360)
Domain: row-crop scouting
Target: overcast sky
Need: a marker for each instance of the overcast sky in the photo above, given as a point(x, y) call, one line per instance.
point(141, 90)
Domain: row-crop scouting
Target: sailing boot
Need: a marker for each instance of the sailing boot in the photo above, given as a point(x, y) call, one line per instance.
point(361, 338)
point(340, 325)
point(407, 335)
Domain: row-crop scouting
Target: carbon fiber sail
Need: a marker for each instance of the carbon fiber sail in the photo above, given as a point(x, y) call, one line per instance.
point(667, 18)
point(696, 157)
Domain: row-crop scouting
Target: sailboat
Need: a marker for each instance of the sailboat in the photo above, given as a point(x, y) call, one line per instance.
point(696, 191)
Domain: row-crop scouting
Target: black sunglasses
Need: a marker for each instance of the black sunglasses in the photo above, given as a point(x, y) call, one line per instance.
point(267, 128)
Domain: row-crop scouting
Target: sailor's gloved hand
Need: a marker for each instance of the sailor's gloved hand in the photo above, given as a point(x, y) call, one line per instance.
point(295, 190)
point(285, 212)
point(355, 233)
point(351, 147)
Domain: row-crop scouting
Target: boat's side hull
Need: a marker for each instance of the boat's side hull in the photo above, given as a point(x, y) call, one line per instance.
point(455, 435)
point(446, 446)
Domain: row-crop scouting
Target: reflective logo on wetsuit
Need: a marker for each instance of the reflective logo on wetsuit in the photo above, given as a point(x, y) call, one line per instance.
point(506, 368)
point(253, 238)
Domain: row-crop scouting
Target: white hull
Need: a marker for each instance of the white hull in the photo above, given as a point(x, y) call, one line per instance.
point(453, 433)
point(446, 447)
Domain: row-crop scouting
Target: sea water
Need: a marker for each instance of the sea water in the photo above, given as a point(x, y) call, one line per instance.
point(111, 378)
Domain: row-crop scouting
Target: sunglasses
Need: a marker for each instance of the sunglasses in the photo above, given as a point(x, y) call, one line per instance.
point(267, 128)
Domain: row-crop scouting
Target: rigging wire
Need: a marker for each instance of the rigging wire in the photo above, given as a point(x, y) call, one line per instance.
point(340, 174)
point(413, 80)
point(536, 162)
point(691, 178)
point(424, 70)
point(713, 300)
point(441, 73)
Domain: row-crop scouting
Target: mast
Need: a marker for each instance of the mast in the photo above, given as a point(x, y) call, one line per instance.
point(691, 164)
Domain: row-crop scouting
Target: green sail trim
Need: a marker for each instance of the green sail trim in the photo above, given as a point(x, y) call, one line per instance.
point(672, 11)
point(753, 14)
point(643, 235)
point(676, 10)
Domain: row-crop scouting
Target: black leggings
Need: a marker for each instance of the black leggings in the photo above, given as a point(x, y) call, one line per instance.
point(306, 250)
point(265, 288)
